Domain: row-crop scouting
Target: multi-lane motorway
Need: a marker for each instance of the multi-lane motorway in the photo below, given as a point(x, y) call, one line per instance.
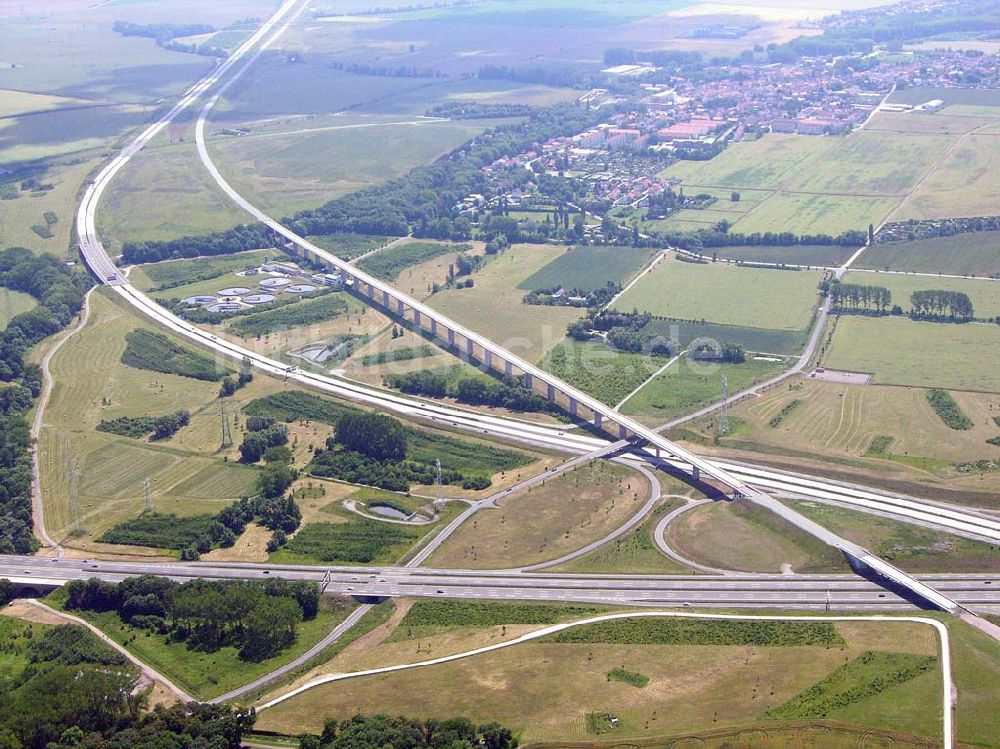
point(835, 592)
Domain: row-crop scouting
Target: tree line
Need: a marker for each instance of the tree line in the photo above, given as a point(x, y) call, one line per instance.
point(858, 296)
point(259, 617)
point(60, 292)
point(382, 732)
point(507, 392)
point(423, 200)
point(940, 304)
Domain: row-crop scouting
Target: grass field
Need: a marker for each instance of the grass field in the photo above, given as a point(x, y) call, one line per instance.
point(726, 294)
point(842, 421)
point(175, 273)
point(751, 339)
point(974, 254)
point(690, 688)
point(93, 479)
point(910, 547)
point(547, 521)
point(900, 351)
point(631, 553)
point(19, 215)
point(985, 295)
point(343, 537)
point(391, 262)
point(311, 163)
point(589, 268)
point(13, 303)
point(164, 193)
point(742, 536)
point(494, 308)
point(13, 103)
point(687, 385)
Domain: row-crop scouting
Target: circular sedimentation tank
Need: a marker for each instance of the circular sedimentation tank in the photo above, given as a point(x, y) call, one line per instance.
point(258, 298)
point(224, 307)
point(274, 283)
point(199, 300)
point(234, 291)
point(300, 288)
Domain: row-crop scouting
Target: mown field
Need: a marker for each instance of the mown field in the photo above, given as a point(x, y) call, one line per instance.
point(821, 214)
point(726, 294)
point(29, 208)
point(96, 479)
point(751, 339)
point(842, 421)
point(985, 295)
point(974, 254)
point(900, 351)
point(690, 687)
point(547, 521)
point(589, 268)
point(742, 536)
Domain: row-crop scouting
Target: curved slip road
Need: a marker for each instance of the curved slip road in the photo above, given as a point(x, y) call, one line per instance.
point(947, 686)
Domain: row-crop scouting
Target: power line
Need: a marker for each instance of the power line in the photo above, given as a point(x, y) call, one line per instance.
point(724, 417)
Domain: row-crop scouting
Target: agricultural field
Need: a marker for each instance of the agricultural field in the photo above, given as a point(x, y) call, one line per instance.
point(13, 303)
point(963, 183)
point(494, 307)
point(589, 268)
point(547, 521)
point(311, 162)
point(751, 339)
point(742, 536)
point(910, 547)
point(598, 371)
point(900, 351)
point(972, 254)
point(825, 255)
point(726, 294)
point(761, 164)
point(804, 213)
point(690, 686)
point(985, 295)
point(344, 537)
point(92, 480)
point(687, 385)
point(389, 263)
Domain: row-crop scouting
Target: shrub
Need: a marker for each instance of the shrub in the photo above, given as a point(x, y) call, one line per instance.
point(947, 408)
point(155, 352)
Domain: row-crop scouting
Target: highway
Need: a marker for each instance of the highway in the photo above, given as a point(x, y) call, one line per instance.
point(834, 592)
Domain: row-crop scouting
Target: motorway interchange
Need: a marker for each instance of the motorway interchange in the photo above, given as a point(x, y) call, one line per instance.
point(758, 484)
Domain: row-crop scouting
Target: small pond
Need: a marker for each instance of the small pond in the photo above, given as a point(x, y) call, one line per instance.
point(387, 511)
